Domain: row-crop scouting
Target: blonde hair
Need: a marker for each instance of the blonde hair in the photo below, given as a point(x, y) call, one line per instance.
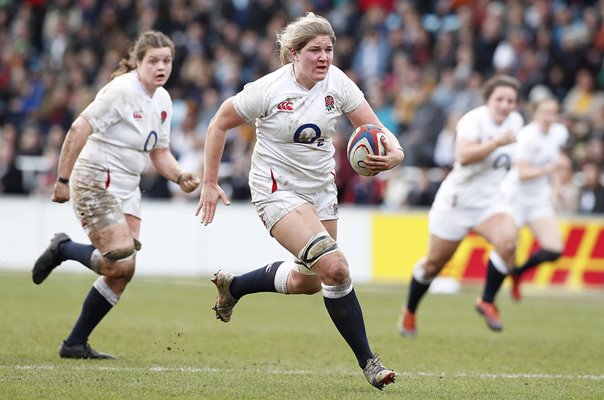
point(147, 40)
point(301, 31)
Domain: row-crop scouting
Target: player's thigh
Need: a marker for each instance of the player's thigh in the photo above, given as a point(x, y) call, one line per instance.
point(547, 232)
point(134, 223)
point(296, 228)
point(331, 226)
point(112, 237)
point(500, 230)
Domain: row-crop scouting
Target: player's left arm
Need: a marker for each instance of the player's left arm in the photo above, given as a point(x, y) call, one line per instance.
point(395, 154)
point(168, 167)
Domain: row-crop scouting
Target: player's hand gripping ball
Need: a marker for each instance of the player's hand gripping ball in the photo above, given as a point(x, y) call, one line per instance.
point(365, 140)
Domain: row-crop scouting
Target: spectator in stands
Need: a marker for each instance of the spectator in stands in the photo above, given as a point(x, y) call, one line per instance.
point(582, 100)
point(104, 153)
point(11, 178)
point(591, 193)
point(424, 190)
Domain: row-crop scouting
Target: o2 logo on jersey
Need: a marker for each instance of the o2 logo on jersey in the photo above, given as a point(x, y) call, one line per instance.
point(151, 141)
point(502, 161)
point(308, 134)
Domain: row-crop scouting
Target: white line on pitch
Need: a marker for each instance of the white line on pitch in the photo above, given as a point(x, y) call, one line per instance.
point(305, 372)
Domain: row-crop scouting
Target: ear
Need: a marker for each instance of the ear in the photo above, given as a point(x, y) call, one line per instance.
point(294, 55)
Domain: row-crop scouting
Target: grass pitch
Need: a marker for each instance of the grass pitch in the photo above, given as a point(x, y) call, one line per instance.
point(285, 347)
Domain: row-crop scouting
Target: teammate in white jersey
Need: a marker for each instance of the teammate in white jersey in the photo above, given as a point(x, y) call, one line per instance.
point(470, 198)
point(528, 186)
point(104, 153)
point(292, 179)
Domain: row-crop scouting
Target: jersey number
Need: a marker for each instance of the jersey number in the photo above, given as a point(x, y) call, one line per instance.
point(309, 134)
point(502, 161)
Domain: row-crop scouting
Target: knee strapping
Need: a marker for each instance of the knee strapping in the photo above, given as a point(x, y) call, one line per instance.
point(338, 291)
point(318, 246)
point(120, 254)
point(95, 261)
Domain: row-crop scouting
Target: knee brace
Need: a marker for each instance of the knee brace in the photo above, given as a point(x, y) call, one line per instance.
point(319, 245)
point(120, 253)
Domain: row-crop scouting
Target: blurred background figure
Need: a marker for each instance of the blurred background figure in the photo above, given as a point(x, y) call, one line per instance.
point(591, 192)
point(11, 178)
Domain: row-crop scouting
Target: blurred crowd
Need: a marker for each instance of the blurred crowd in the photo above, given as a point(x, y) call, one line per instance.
point(420, 63)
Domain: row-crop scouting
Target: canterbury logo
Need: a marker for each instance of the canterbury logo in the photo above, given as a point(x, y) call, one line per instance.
point(137, 115)
point(285, 106)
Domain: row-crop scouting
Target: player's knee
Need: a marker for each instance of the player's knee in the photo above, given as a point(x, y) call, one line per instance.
point(431, 269)
point(334, 269)
point(316, 248)
point(306, 284)
point(123, 270)
point(120, 263)
point(506, 248)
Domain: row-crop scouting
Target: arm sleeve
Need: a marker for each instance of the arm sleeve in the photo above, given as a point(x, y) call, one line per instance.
point(352, 96)
point(103, 112)
point(250, 101)
point(468, 128)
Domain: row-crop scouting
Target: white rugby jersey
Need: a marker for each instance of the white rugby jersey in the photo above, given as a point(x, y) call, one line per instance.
point(477, 185)
point(294, 128)
point(538, 148)
point(126, 125)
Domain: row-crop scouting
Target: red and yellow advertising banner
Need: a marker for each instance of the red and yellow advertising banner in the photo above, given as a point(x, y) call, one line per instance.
point(399, 240)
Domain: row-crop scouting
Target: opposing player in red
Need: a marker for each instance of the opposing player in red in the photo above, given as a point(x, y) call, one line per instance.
point(295, 109)
point(104, 153)
point(470, 198)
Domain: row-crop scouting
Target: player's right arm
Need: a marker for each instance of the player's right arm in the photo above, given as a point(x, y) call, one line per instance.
point(469, 151)
point(74, 142)
point(226, 118)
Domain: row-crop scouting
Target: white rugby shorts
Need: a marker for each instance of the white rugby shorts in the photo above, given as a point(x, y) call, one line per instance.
point(529, 210)
point(98, 206)
point(274, 206)
point(455, 223)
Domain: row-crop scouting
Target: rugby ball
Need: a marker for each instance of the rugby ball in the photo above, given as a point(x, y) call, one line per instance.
point(366, 140)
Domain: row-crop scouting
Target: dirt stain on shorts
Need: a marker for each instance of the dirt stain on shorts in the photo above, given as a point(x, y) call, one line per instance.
point(94, 205)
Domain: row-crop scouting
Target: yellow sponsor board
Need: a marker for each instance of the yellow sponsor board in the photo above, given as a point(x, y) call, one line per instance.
point(400, 240)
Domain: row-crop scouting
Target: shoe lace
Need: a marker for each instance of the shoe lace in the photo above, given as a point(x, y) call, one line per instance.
point(373, 366)
point(87, 348)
